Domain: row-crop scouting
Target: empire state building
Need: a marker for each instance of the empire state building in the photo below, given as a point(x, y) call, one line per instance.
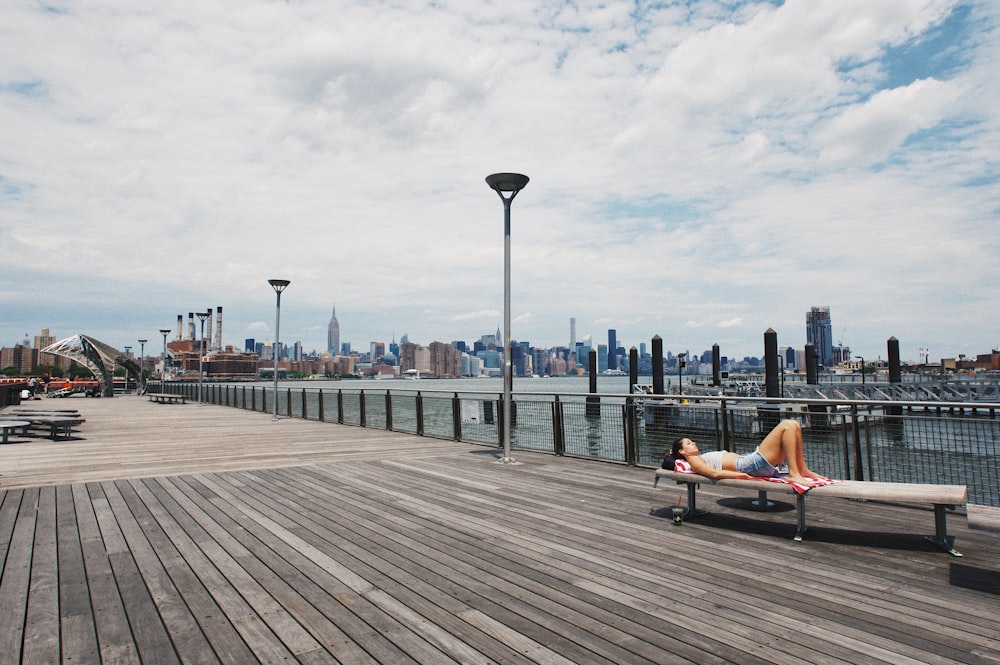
point(333, 334)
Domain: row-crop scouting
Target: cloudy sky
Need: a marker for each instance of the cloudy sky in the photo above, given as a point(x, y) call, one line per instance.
point(702, 171)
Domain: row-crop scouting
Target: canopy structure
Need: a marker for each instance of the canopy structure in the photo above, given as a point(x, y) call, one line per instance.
point(100, 359)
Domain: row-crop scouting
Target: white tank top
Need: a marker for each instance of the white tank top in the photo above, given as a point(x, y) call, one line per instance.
point(714, 459)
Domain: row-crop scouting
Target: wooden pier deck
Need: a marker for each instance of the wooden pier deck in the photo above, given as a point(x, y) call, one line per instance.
point(197, 534)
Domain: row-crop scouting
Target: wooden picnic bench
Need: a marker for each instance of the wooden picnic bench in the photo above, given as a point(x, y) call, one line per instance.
point(942, 497)
point(7, 425)
point(167, 398)
point(54, 424)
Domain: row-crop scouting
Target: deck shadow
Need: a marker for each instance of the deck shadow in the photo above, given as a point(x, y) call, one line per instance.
point(745, 523)
point(977, 579)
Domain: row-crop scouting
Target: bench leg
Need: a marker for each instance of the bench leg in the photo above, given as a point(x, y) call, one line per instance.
point(761, 502)
point(800, 509)
point(940, 537)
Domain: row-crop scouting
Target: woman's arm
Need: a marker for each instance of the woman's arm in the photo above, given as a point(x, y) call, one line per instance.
point(699, 466)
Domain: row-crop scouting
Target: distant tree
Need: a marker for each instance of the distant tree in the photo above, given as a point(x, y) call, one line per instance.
point(10, 371)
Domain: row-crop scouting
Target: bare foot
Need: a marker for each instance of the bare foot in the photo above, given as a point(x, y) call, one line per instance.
point(802, 480)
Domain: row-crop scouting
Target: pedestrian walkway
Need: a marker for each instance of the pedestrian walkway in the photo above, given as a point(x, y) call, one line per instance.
point(187, 533)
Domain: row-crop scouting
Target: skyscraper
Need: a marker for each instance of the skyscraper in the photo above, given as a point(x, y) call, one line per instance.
point(333, 334)
point(819, 333)
point(612, 349)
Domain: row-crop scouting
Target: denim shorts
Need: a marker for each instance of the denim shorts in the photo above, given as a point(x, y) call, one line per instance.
point(755, 464)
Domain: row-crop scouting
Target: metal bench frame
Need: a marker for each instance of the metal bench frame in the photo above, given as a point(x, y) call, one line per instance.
point(942, 497)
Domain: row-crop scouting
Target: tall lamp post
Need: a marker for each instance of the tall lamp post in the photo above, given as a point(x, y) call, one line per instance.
point(278, 285)
point(201, 354)
point(163, 361)
point(862, 359)
point(511, 183)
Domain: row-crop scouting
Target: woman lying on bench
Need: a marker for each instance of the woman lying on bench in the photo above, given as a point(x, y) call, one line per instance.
point(783, 445)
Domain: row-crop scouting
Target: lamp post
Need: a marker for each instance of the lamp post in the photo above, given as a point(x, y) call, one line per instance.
point(862, 359)
point(278, 285)
point(163, 362)
point(128, 349)
point(680, 373)
point(142, 353)
point(512, 183)
point(201, 354)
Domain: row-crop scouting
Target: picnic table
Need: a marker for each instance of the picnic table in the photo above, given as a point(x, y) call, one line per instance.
point(7, 425)
point(53, 423)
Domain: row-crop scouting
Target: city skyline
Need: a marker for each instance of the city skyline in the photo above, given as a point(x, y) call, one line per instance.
point(817, 317)
point(698, 171)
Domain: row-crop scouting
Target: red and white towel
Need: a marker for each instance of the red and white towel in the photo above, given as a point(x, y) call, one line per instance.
point(681, 466)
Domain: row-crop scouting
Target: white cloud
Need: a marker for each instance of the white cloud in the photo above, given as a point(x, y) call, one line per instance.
point(871, 131)
point(710, 162)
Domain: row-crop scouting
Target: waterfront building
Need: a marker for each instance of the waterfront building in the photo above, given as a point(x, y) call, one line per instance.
point(333, 334)
point(445, 360)
point(819, 333)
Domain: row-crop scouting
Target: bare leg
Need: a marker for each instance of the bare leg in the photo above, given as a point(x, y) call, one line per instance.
point(784, 444)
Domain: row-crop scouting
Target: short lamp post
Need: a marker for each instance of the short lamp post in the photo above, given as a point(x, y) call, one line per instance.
point(511, 183)
point(862, 359)
point(128, 350)
point(201, 356)
point(680, 372)
point(142, 353)
point(163, 361)
point(278, 285)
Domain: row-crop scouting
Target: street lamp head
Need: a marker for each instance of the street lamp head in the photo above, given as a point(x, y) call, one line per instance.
point(164, 331)
point(142, 341)
point(203, 315)
point(507, 182)
point(278, 284)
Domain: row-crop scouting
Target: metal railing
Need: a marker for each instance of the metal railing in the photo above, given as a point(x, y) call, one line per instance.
point(890, 441)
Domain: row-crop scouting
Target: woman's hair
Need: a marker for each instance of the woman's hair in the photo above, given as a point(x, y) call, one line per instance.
point(675, 450)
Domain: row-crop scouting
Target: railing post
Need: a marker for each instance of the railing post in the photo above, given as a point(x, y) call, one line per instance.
point(628, 417)
point(263, 400)
point(322, 416)
point(725, 426)
point(288, 402)
point(305, 411)
point(420, 414)
point(388, 410)
point(340, 406)
point(362, 417)
point(500, 408)
point(859, 473)
point(456, 417)
point(558, 436)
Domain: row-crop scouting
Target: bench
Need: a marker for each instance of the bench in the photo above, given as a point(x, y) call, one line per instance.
point(167, 398)
point(941, 497)
point(53, 424)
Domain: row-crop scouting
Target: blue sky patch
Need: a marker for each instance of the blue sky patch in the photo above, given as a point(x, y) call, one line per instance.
point(938, 53)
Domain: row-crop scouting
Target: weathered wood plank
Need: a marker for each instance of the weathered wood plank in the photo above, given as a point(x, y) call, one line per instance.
point(78, 636)
point(17, 574)
point(114, 637)
point(41, 627)
point(164, 534)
